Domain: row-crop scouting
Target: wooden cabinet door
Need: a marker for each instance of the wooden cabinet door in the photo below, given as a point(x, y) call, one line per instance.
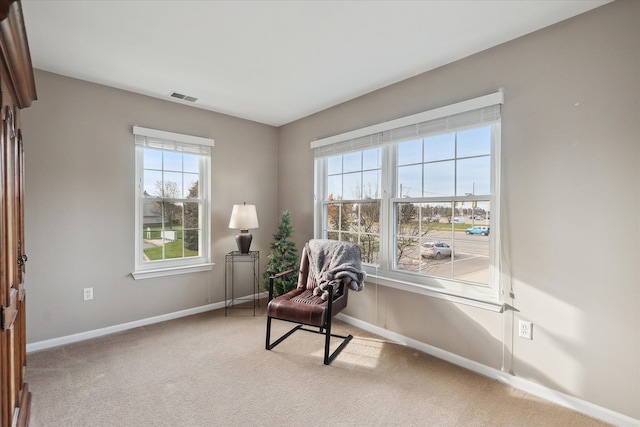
point(15, 395)
point(17, 91)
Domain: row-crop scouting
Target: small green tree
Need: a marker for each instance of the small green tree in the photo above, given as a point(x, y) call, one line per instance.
point(283, 257)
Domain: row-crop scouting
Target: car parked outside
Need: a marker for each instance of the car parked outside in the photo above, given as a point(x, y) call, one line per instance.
point(435, 250)
point(478, 229)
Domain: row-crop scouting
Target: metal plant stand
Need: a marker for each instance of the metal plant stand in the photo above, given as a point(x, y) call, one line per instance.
point(231, 300)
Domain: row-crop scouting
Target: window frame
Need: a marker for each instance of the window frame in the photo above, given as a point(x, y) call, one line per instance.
point(384, 273)
point(202, 262)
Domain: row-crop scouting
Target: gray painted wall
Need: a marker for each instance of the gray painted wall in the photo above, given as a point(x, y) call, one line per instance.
point(79, 203)
point(570, 191)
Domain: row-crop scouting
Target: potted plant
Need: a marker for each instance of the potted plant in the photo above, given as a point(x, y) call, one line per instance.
point(283, 257)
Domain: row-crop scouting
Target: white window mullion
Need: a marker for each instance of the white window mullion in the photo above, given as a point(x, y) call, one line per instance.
point(387, 251)
point(496, 235)
point(320, 206)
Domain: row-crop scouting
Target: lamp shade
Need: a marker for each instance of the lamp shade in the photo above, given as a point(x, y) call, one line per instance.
point(243, 217)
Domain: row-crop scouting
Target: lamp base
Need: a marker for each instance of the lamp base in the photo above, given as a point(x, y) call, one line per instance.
point(243, 240)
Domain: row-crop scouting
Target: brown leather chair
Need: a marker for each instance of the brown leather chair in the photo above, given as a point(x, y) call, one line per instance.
point(301, 306)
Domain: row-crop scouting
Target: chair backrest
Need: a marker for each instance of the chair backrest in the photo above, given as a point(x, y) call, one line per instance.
point(306, 278)
point(304, 281)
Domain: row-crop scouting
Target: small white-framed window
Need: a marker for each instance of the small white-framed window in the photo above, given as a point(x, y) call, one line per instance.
point(432, 221)
point(172, 203)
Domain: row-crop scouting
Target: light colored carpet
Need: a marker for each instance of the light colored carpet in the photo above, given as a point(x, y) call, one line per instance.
point(211, 370)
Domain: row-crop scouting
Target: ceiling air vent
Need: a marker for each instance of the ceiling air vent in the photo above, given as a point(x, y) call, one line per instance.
point(183, 97)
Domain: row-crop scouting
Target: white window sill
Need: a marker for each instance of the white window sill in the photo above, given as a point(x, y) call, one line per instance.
point(170, 271)
point(486, 303)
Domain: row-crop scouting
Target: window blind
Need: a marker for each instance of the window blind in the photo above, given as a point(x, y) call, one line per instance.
point(170, 141)
point(474, 112)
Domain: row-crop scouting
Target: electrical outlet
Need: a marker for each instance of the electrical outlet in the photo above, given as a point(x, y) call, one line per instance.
point(525, 329)
point(88, 293)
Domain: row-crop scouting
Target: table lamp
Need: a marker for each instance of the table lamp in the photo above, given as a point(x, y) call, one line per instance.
point(244, 217)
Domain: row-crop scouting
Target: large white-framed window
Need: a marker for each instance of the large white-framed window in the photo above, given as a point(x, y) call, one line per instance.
point(173, 209)
point(420, 194)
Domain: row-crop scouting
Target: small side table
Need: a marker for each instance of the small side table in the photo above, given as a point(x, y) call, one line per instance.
point(230, 261)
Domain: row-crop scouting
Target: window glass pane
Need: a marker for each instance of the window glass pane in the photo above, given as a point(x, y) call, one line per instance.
point(410, 152)
point(407, 233)
point(191, 215)
point(474, 142)
point(332, 217)
point(335, 220)
point(439, 179)
point(191, 163)
point(153, 248)
point(152, 159)
point(474, 176)
point(172, 161)
point(172, 215)
point(407, 220)
point(334, 165)
point(191, 189)
point(172, 185)
point(432, 214)
point(173, 248)
point(370, 248)
point(191, 224)
point(352, 185)
point(349, 218)
point(371, 159)
point(424, 236)
point(439, 147)
point(151, 219)
point(152, 183)
point(369, 217)
point(407, 253)
point(478, 212)
point(371, 184)
point(410, 181)
point(472, 259)
point(191, 242)
point(368, 225)
point(458, 213)
point(334, 187)
point(437, 257)
point(352, 162)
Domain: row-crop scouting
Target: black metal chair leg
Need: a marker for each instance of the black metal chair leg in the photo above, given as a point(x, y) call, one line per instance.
point(327, 343)
point(268, 333)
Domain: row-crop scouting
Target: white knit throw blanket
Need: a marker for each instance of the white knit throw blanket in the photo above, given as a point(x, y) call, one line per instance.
point(332, 262)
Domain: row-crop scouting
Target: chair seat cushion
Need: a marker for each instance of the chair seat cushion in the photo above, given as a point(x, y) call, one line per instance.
point(302, 306)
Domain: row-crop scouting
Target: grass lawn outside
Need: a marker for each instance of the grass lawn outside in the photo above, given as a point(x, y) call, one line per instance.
point(171, 250)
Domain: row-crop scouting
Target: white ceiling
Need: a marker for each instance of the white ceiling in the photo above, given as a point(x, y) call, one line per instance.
point(271, 61)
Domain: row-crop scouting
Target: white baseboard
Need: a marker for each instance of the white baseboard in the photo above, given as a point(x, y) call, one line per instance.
point(560, 398)
point(557, 397)
point(55, 342)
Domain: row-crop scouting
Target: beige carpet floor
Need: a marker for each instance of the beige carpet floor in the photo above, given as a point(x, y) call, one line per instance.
point(212, 370)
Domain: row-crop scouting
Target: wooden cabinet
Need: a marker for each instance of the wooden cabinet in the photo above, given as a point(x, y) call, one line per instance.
point(17, 87)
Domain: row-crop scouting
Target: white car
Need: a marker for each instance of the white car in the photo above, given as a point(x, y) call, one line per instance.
point(435, 250)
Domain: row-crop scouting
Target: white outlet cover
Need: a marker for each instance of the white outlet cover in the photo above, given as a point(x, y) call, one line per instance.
point(525, 329)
